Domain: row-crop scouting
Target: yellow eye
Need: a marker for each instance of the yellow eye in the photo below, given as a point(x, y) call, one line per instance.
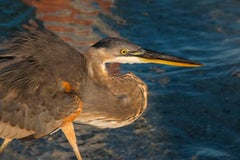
point(123, 51)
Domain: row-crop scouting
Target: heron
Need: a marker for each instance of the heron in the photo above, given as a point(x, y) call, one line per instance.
point(46, 85)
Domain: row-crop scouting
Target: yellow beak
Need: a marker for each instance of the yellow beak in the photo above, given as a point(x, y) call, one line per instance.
point(150, 56)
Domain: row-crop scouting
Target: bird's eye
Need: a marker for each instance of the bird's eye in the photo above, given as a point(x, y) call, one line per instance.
point(123, 51)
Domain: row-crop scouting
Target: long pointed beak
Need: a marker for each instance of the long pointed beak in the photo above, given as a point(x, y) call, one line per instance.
point(150, 56)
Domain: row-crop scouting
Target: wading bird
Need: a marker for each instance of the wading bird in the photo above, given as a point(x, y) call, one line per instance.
point(46, 85)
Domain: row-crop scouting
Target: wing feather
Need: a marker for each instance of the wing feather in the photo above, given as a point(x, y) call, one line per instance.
point(32, 67)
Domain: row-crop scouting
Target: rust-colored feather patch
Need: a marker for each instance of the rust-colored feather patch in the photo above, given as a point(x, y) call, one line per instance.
point(67, 87)
point(74, 115)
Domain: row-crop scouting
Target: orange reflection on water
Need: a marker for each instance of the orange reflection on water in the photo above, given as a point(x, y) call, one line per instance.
point(73, 20)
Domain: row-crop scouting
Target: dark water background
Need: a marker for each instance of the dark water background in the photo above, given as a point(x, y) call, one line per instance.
point(193, 113)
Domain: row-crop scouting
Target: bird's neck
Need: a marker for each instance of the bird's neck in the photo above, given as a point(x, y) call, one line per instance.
point(96, 68)
point(97, 72)
point(111, 101)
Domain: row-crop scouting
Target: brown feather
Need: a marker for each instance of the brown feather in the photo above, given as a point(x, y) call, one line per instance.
point(32, 67)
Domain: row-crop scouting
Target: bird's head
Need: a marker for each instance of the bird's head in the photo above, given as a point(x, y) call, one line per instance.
point(110, 50)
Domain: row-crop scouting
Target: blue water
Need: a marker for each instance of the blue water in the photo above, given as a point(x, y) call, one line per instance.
point(193, 113)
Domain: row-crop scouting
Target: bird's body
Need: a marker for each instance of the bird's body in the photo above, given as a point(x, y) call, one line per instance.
point(45, 85)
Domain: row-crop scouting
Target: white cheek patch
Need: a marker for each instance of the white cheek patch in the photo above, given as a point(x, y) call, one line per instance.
point(127, 59)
